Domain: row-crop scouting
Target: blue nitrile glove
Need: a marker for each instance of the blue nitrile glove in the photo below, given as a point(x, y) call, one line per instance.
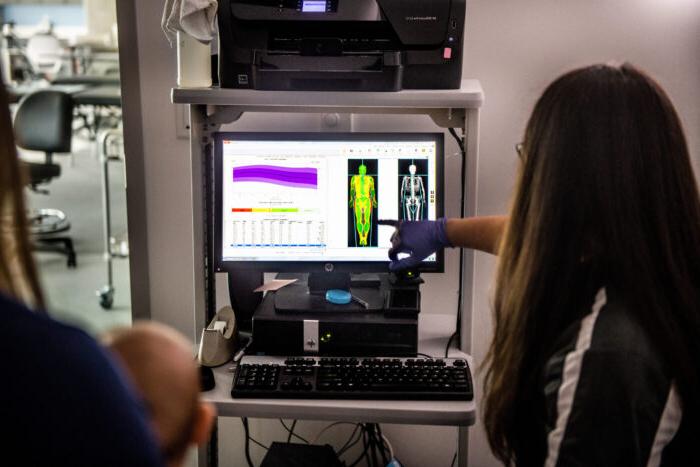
point(419, 239)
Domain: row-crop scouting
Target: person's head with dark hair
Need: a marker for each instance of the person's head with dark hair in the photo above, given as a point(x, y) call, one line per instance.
point(159, 361)
point(18, 274)
point(606, 198)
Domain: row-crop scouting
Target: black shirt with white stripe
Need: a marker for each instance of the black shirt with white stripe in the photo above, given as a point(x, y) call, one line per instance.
point(610, 400)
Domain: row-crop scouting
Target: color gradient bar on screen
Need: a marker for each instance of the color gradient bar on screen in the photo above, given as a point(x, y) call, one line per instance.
point(265, 210)
point(301, 177)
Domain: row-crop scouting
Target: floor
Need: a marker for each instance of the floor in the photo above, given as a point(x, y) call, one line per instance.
point(72, 293)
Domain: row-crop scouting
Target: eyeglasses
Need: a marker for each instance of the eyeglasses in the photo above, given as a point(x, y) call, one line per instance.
point(520, 149)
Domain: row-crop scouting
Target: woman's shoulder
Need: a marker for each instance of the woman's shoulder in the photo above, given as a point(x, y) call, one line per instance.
point(58, 376)
point(610, 327)
point(31, 332)
point(617, 329)
point(51, 355)
point(607, 393)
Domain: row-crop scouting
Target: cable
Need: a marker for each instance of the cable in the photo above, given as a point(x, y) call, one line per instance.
point(366, 447)
point(315, 439)
point(260, 444)
point(380, 441)
point(250, 438)
point(454, 458)
point(365, 441)
point(388, 445)
point(449, 342)
point(345, 446)
point(247, 442)
point(462, 147)
point(350, 444)
point(425, 355)
point(291, 432)
point(241, 352)
point(460, 141)
point(373, 443)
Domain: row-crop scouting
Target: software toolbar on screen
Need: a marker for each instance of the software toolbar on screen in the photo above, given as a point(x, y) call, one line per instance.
point(320, 200)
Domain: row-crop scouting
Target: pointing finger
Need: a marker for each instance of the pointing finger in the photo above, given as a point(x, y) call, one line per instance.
point(389, 222)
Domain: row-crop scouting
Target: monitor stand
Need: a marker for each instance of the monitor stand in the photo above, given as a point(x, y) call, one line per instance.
point(321, 282)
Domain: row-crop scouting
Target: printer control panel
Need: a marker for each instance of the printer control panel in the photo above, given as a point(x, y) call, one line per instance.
point(317, 6)
point(306, 10)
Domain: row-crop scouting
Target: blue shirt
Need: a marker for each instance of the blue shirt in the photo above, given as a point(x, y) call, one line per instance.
point(63, 401)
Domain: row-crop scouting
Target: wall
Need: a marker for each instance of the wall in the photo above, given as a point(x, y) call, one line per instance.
point(100, 16)
point(515, 48)
point(166, 174)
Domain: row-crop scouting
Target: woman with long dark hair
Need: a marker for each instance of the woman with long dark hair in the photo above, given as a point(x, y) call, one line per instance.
point(595, 357)
point(64, 402)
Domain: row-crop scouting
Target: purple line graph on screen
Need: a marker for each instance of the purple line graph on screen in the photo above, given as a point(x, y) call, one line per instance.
point(297, 177)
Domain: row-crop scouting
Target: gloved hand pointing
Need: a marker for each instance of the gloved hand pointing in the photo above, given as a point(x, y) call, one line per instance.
point(419, 239)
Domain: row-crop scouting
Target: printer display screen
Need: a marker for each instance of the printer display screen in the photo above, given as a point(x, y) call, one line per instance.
point(315, 6)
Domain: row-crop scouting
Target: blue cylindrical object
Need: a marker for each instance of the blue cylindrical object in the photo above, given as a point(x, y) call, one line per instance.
point(339, 297)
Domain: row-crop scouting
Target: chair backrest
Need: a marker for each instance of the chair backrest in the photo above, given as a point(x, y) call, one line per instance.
point(44, 121)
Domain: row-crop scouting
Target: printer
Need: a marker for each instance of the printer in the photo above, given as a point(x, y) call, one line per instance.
point(341, 45)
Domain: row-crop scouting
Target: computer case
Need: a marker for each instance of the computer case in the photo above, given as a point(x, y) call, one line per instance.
point(333, 333)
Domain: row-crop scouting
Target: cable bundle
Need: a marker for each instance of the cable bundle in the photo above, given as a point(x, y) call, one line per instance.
point(377, 450)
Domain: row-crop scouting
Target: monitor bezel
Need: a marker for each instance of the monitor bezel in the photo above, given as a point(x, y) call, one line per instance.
point(317, 266)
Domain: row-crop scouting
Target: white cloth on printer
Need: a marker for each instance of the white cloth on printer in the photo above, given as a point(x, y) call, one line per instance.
point(196, 18)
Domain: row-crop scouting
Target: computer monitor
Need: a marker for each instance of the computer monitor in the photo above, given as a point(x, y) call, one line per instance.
point(309, 202)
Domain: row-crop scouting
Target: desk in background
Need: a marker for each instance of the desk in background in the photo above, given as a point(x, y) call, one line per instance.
point(105, 93)
point(16, 93)
point(87, 80)
point(102, 95)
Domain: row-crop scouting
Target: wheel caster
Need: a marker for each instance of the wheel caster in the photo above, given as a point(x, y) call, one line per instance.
point(106, 296)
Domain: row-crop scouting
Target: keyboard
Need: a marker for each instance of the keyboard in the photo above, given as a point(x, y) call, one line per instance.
point(439, 379)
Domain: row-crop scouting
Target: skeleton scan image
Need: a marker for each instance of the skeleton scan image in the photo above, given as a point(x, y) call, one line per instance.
point(413, 175)
point(412, 196)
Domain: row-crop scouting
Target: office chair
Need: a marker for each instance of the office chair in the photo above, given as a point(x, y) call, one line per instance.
point(43, 122)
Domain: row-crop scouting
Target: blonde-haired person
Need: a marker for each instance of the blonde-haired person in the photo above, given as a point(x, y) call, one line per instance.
point(64, 402)
point(159, 361)
point(595, 358)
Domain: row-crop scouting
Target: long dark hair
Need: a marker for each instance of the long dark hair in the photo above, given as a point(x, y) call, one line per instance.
point(606, 197)
point(18, 274)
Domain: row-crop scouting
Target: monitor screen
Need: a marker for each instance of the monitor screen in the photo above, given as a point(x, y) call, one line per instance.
point(304, 202)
